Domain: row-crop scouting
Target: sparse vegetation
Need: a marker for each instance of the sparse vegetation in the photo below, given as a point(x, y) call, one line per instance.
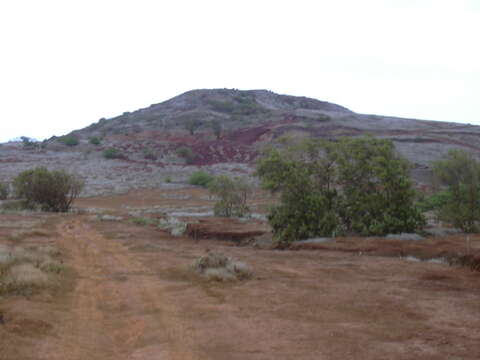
point(25, 271)
point(149, 154)
point(28, 142)
point(460, 173)
point(112, 153)
point(69, 140)
point(217, 128)
point(356, 186)
point(186, 153)
point(232, 194)
point(218, 267)
point(4, 190)
point(200, 178)
point(192, 125)
point(142, 221)
point(50, 190)
point(95, 140)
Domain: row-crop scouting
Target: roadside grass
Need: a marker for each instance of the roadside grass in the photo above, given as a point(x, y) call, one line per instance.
point(25, 271)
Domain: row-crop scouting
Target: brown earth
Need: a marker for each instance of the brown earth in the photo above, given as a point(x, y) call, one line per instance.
point(133, 297)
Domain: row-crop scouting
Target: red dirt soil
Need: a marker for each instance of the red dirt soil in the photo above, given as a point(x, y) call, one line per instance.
point(135, 298)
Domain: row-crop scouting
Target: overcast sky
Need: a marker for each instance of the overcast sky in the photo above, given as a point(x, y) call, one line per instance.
point(65, 64)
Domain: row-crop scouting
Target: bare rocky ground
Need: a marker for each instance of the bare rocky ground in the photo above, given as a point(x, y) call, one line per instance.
point(128, 292)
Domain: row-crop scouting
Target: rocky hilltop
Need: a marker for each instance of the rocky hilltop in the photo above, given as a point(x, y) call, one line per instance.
point(221, 130)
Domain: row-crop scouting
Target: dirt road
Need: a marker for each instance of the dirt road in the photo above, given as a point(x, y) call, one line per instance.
point(134, 298)
point(117, 310)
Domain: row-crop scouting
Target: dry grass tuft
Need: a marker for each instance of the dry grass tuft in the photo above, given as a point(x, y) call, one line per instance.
point(22, 271)
point(26, 275)
point(218, 267)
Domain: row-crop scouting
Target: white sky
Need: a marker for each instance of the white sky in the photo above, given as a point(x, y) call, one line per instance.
point(64, 64)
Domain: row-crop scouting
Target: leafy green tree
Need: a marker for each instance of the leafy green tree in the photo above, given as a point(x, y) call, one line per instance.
point(304, 175)
point(51, 190)
point(232, 194)
point(327, 188)
point(459, 172)
point(377, 193)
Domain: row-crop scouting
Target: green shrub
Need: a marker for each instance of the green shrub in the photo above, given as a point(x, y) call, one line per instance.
point(28, 142)
point(3, 191)
point(232, 194)
point(201, 178)
point(459, 172)
point(141, 221)
point(186, 153)
point(51, 190)
point(354, 186)
point(434, 202)
point(149, 154)
point(168, 179)
point(95, 140)
point(217, 128)
point(69, 140)
point(112, 153)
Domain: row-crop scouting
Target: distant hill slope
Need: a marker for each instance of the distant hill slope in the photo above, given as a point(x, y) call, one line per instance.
point(149, 140)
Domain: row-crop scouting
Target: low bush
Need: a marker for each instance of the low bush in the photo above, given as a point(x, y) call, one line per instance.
point(232, 193)
point(95, 140)
point(50, 190)
point(186, 153)
point(25, 271)
point(218, 267)
point(112, 153)
point(3, 191)
point(200, 178)
point(69, 140)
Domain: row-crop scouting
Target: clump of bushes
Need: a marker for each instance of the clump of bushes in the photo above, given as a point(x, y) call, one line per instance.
point(200, 178)
point(50, 190)
point(232, 194)
point(218, 267)
point(351, 186)
point(112, 153)
point(69, 140)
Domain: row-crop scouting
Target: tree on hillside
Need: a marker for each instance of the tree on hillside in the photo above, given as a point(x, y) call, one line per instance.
point(460, 173)
point(192, 125)
point(354, 186)
point(217, 128)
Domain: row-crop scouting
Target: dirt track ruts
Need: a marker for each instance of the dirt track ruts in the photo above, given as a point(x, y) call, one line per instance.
point(117, 310)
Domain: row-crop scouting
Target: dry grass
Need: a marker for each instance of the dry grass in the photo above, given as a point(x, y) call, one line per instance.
point(218, 267)
point(23, 271)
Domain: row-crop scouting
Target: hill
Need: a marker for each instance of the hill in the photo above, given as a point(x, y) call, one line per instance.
point(223, 130)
